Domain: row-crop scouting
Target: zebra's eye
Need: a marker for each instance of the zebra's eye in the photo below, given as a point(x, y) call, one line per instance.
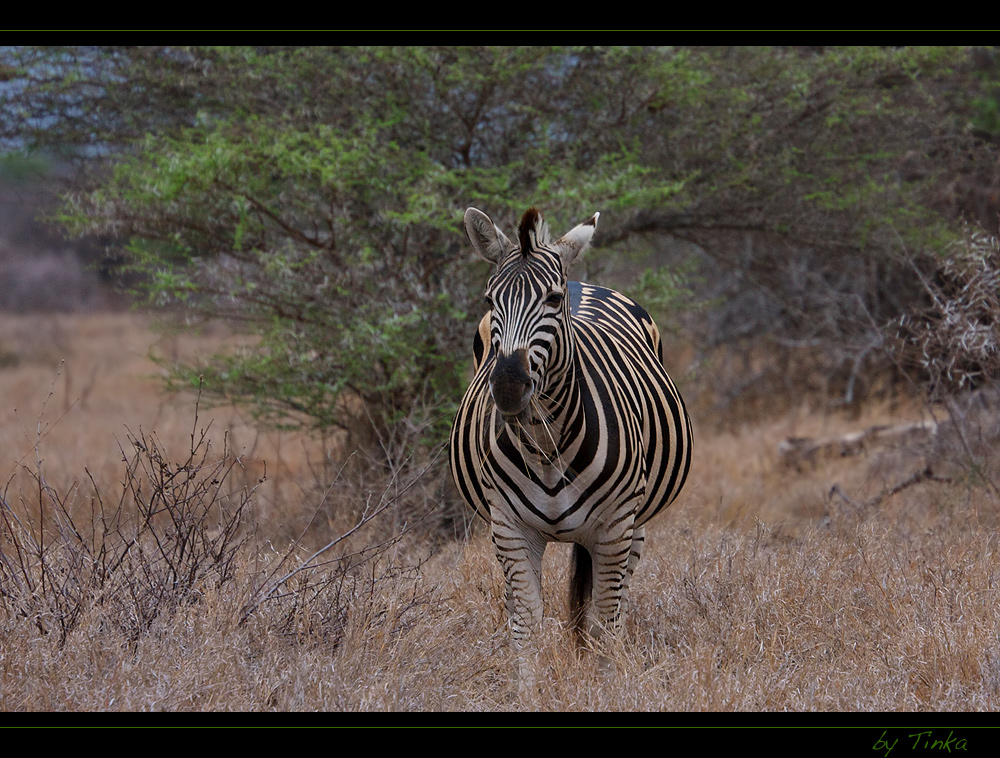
point(489, 302)
point(554, 300)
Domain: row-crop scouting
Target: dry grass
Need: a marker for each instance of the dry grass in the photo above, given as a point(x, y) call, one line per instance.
point(759, 589)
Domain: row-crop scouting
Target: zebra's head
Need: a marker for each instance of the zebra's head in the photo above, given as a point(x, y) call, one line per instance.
point(530, 316)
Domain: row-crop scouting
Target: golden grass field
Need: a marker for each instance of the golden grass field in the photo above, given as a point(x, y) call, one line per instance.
point(758, 590)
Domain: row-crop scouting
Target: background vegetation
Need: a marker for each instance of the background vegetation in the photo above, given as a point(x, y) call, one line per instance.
point(815, 226)
point(315, 194)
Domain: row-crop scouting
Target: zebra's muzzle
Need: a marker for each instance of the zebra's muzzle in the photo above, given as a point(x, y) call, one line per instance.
point(511, 384)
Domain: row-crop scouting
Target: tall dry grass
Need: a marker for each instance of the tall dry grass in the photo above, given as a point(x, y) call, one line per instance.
point(763, 588)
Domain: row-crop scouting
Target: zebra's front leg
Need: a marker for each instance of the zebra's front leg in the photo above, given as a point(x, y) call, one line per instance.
point(520, 555)
point(635, 553)
point(614, 560)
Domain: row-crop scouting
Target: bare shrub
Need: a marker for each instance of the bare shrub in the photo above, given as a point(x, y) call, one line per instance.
point(950, 348)
point(313, 594)
point(184, 532)
point(176, 530)
point(953, 344)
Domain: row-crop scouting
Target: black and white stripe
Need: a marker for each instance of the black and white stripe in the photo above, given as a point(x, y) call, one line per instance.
point(571, 430)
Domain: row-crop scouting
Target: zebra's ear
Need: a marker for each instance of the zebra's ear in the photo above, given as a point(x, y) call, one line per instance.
point(575, 241)
point(484, 235)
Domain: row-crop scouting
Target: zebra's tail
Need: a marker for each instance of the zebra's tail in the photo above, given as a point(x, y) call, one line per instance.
point(581, 585)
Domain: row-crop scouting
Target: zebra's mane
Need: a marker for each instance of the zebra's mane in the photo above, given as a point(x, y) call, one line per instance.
point(532, 221)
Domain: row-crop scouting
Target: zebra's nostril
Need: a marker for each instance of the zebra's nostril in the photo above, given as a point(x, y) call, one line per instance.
point(511, 397)
point(510, 384)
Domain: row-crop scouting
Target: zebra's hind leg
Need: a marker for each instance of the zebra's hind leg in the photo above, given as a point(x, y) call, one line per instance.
point(586, 625)
point(581, 590)
point(520, 556)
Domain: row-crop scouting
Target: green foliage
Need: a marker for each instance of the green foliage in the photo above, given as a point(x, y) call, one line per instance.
point(16, 168)
point(665, 291)
point(336, 246)
point(986, 103)
point(316, 194)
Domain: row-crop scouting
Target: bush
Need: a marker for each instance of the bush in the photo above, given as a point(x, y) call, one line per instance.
point(180, 531)
point(952, 344)
point(176, 530)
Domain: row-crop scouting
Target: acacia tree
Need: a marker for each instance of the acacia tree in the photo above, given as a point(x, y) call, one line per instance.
point(316, 194)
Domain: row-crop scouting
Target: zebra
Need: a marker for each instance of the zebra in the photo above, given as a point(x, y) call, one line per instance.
point(570, 431)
